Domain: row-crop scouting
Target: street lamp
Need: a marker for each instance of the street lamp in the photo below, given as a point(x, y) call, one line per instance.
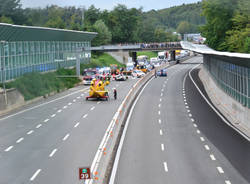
point(5, 44)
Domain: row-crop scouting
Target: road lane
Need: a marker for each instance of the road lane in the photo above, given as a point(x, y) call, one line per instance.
point(188, 156)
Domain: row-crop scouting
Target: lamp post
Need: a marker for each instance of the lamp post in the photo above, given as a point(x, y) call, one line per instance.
point(5, 44)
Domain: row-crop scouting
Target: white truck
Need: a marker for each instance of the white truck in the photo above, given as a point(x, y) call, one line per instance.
point(163, 56)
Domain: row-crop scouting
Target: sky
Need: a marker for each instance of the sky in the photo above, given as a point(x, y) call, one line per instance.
point(103, 4)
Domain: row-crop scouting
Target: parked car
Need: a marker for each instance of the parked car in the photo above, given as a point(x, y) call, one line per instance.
point(120, 77)
point(138, 73)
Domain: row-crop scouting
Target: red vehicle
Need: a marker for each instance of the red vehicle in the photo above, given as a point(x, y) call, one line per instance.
point(89, 75)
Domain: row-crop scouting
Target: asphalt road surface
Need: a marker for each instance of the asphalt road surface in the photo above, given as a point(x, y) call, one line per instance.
point(175, 137)
point(48, 141)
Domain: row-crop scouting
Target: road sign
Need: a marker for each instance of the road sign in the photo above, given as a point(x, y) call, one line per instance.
point(84, 173)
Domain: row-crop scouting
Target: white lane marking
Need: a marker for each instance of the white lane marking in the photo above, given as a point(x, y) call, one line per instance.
point(212, 157)
point(74, 100)
point(162, 90)
point(35, 174)
point(161, 133)
point(185, 100)
point(188, 110)
point(42, 104)
point(159, 105)
point(92, 108)
point(190, 115)
point(8, 149)
point(184, 97)
point(162, 147)
point(53, 115)
point(46, 120)
point(78, 97)
point(38, 126)
point(220, 170)
point(216, 111)
point(98, 102)
point(65, 137)
point(69, 103)
point(65, 107)
point(195, 125)
point(159, 112)
point(202, 139)
point(192, 119)
point(59, 111)
point(52, 153)
point(185, 103)
point(82, 94)
point(228, 182)
point(160, 99)
point(198, 131)
point(30, 132)
point(20, 140)
point(76, 125)
point(159, 121)
point(165, 166)
point(161, 94)
point(207, 147)
point(85, 116)
point(187, 107)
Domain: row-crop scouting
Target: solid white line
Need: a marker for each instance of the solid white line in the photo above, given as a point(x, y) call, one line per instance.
point(53, 115)
point(38, 126)
point(59, 110)
point(162, 147)
point(85, 116)
point(220, 170)
point(20, 140)
point(165, 166)
point(76, 125)
point(161, 133)
point(117, 157)
point(46, 120)
point(212, 157)
point(9, 148)
point(30, 132)
point(195, 125)
point(52, 153)
point(202, 139)
point(228, 182)
point(65, 137)
point(42, 104)
point(219, 114)
point(159, 121)
point(92, 108)
point(35, 175)
point(65, 107)
point(207, 147)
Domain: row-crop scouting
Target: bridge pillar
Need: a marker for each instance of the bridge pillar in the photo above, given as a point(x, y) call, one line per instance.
point(134, 57)
point(172, 53)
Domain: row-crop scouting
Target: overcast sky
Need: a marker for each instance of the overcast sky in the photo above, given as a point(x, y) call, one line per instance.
point(102, 4)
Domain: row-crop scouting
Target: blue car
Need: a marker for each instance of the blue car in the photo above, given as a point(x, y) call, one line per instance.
point(162, 73)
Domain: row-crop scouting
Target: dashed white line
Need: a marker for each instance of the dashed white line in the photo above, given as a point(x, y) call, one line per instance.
point(53, 115)
point(35, 175)
point(161, 94)
point(46, 120)
point(185, 103)
point(8, 149)
point(59, 111)
point(187, 107)
point(190, 115)
point(92, 108)
point(76, 125)
point(159, 121)
point(165, 166)
point(161, 133)
point(30, 132)
point(220, 170)
point(65, 137)
point(65, 107)
point(20, 140)
point(52, 153)
point(82, 94)
point(98, 102)
point(159, 112)
point(160, 99)
point(74, 100)
point(202, 139)
point(78, 97)
point(198, 131)
point(188, 110)
point(184, 100)
point(228, 182)
point(195, 125)
point(207, 147)
point(212, 157)
point(162, 147)
point(159, 105)
point(85, 116)
point(192, 119)
point(69, 103)
point(38, 126)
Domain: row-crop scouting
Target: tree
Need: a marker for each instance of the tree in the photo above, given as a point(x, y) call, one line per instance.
point(104, 35)
point(55, 18)
point(160, 35)
point(183, 28)
point(7, 20)
point(9, 7)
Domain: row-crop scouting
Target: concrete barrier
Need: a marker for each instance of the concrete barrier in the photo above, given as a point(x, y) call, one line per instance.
point(235, 112)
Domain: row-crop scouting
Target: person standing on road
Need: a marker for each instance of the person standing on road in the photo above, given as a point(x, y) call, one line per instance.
point(115, 94)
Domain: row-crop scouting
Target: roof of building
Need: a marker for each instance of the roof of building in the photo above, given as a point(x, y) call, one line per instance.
point(11, 33)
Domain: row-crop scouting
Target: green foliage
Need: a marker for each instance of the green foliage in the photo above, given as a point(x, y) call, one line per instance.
point(104, 35)
point(147, 53)
point(7, 20)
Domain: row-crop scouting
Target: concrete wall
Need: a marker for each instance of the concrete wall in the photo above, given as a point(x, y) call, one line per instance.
point(14, 100)
point(120, 56)
point(235, 112)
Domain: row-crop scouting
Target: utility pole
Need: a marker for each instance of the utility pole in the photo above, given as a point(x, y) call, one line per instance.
point(5, 44)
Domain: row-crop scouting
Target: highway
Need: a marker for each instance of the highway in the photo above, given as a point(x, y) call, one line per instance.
point(48, 141)
point(173, 136)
